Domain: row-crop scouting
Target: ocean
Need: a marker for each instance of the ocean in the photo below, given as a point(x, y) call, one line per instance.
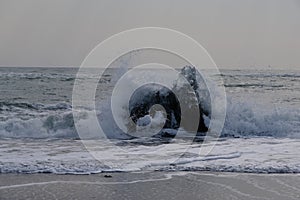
point(37, 132)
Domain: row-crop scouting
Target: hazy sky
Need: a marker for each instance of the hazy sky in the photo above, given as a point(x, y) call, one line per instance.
point(235, 32)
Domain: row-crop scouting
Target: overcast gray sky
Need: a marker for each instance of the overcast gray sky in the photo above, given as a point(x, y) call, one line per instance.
point(237, 33)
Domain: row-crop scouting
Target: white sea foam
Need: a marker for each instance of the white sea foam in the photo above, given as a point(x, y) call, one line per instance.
point(255, 155)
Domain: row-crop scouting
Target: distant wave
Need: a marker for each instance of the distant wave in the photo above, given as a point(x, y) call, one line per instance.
point(32, 76)
point(246, 85)
point(34, 106)
point(263, 75)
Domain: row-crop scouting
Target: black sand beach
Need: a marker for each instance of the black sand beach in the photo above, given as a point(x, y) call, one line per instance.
point(151, 185)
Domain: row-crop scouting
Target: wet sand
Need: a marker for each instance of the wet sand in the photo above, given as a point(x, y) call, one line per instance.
point(151, 185)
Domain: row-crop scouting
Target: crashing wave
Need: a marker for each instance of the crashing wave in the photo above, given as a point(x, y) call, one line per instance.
point(35, 120)
point(178, 113)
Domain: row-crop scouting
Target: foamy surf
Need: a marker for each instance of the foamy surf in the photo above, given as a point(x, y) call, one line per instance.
point(24, 120)
point(255, 155)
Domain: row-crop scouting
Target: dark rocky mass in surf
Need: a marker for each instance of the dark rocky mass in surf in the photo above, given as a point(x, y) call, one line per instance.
point(181, 106)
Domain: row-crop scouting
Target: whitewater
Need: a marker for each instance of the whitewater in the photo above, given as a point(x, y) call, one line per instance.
point(37, 131)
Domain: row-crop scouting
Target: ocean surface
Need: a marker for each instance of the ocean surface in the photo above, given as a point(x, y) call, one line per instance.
point(261, 133)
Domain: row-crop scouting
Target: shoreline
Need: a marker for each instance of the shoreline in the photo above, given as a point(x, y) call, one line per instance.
point(151, 185)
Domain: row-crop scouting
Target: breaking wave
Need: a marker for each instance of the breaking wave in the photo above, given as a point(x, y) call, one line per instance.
point(25, 120)
point(242, 121)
